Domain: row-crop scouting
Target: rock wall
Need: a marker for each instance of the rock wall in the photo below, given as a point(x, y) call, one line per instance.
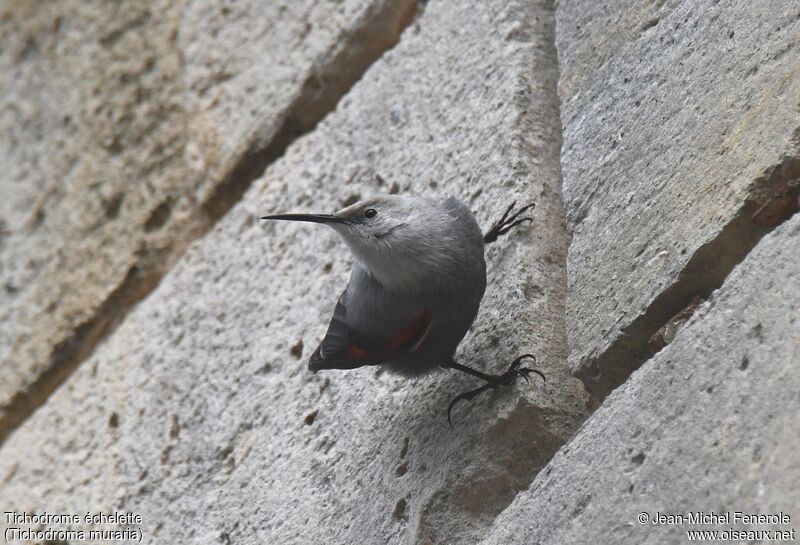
point(681, 130)
point(129, 130)
point(155, 333)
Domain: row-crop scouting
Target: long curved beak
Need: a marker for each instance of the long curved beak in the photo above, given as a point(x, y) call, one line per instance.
point(314, 218)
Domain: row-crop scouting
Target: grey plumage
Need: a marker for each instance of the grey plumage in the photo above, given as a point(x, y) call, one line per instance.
point(414, 254)
point(417, 281)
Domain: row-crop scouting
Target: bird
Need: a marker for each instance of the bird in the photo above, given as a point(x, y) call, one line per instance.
point(416, 284)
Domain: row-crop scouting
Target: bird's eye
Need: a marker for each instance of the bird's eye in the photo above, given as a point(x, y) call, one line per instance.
point(370, 213)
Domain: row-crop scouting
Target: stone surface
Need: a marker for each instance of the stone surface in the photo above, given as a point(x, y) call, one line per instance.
point(709, 424)
point(199, 412)
point(126, 131)
point(680, 119)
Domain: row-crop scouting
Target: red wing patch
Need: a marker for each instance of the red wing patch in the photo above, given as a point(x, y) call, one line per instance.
point(345, 348)
point(407, 339)
point(354, 353)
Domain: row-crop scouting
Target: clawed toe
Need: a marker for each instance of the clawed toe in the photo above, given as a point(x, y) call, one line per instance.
point(515, 370)
point(467, 396)
point(506, 379)
point(516, 363)
point(526, 373)
point(507, 223)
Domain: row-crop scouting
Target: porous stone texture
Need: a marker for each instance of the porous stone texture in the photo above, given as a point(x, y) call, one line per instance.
point(680, 120)
point(127, 130)
point(708, 425)
point(198, 412)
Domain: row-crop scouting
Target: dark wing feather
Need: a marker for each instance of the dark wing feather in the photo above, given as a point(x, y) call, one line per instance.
point(345, 348)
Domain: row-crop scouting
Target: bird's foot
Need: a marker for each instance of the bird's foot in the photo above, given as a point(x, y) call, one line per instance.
point(507, 223)
point(506, 379)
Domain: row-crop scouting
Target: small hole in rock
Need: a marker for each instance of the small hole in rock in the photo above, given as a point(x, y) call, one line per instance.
point(297, 350)
point(113, 420)
point(401, 469)
point(404, 449)
point(159, 216)
point(310, 417)
point(113, 206)
point(400, 509)
point(223, 453)
point(38, 218)
point(174, 428)
point(745, 363)
point(638, 459)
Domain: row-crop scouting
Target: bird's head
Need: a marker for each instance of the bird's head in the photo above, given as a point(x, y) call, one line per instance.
point(396, 238)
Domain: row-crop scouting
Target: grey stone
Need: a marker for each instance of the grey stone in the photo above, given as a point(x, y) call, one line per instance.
point(709, 424)
point(127, 131)
point(199, 412)
point(680, 121)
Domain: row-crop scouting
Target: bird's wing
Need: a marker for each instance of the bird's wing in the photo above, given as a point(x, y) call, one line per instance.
point(345, 348)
